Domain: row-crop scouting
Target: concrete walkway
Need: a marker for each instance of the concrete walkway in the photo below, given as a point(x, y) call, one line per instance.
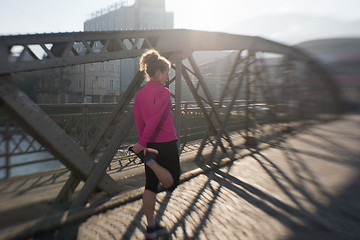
point(306, 187)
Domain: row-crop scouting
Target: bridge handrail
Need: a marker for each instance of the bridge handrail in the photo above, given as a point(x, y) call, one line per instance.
point(188, 107)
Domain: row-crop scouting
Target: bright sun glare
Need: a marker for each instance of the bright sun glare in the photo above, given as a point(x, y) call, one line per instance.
point(209, 14)
point(198, 14)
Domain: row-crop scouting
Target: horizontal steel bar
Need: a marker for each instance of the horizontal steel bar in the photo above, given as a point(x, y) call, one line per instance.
point(166, 41)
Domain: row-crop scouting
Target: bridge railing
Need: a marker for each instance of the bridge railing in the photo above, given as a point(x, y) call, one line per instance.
point(21, 154)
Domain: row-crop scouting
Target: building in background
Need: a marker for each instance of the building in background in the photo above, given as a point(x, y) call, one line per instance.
point(142, 14)
point(104, 82)
point(95, 82)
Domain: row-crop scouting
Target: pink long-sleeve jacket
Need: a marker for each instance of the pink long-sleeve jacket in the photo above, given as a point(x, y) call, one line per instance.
point(152, 111)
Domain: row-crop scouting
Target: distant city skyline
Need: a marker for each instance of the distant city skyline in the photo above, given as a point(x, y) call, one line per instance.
point(270, 19)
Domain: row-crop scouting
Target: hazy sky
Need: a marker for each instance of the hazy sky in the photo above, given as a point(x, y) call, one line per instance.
point(190, 13)
point(38, 16)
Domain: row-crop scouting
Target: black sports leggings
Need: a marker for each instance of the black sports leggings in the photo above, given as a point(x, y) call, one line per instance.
point(168, 158)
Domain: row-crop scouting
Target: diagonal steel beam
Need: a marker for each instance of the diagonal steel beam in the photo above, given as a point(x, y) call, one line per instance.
point(227, 116)
point(197, 98)
point(230, 77)
point(236, 90)
point(102, 136)
point(67, 190)
point(29, 116)
point(107, 128)
point(193, 90)
point(227, 85)
point(202, 83)
point(100, 169)
point(211, 103)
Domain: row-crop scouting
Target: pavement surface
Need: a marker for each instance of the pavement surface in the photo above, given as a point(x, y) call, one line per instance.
point(305, 187)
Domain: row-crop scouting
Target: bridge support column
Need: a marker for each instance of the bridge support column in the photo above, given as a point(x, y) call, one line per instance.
point(178, 113)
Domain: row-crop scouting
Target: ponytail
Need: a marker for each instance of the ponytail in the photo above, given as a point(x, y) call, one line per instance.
point(151, 61)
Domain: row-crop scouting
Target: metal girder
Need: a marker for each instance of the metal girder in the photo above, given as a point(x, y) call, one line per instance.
point(24, 53)
point(100, 140)
point(41, 51)
point(209, 100)
point(198, 99)
point(29, 116)
point(178, 98)
point(108, 127)
point(250, 97)
point(238, 78)
point(100, 169)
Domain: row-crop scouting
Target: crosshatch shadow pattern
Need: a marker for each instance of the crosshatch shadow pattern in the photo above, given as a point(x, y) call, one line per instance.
point(304, 188)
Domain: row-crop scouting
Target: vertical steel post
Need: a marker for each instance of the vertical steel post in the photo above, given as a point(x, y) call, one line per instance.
point(85, 129)
point(247, 115)
point(185, 123)
point(178, 98)
point(8, 154)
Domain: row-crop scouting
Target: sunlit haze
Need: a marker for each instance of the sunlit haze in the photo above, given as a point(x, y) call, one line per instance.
point(206, 14)
point(281, 20)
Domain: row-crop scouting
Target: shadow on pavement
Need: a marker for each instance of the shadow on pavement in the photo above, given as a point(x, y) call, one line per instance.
point(298, 204)
point(337, 219)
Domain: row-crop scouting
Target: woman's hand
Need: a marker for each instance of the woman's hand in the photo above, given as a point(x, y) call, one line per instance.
point(138, 148)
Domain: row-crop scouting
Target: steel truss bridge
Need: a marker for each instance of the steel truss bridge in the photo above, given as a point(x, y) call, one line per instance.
point(293, 88)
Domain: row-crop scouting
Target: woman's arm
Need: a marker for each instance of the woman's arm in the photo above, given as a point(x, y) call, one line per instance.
point(139, 121)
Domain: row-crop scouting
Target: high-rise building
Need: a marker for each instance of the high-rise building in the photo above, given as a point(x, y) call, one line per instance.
point(143, 14)
point(105, 82)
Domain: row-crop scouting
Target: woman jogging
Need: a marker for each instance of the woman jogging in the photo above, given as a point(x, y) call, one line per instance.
point(157, 145)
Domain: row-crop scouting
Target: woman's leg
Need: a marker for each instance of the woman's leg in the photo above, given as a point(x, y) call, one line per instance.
point(164, 176)
point(149, 199)
point(165, 170)
point(167, 165)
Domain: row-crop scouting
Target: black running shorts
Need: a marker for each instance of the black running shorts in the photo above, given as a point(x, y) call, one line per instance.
point(168, 158)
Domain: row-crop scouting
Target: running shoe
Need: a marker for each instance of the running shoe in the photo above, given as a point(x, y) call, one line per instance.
point(155, 232)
